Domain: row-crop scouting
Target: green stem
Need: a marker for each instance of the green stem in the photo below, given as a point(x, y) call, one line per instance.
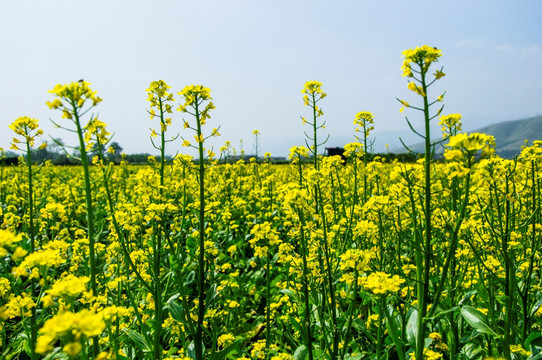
point(90, 212)
point(423, 295)
point(33, 326)
point(380, 335)
point(267, 302)
point(308, 339)
point(198, 346)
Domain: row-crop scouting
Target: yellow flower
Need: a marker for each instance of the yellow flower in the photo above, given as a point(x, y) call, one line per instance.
point(472, 143)
point(17, 306)
point(380, 283)
point(18, 254)
point(69, 287)
point(5, 287)
point(7, 239)
point(518, 349)
point(73, 348)
point(27, 128)
point(95, 132)
point(418, 90)
point(76, 325)
point(428, 354)
point(225, 339)
point(158, 92)
point(194, 94)
point(421, 55)
point(312, 94)
point(451, 124)
point(76, 92)
point(439, 74)
point(297, 152)
point(404, 103)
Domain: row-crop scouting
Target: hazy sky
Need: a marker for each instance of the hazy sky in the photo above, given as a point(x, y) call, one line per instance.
point(256, 55)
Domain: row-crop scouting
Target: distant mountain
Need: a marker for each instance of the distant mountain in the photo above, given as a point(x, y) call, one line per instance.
point(509, 136)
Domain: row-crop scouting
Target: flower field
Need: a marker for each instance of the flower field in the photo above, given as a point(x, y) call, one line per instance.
point(323, 258)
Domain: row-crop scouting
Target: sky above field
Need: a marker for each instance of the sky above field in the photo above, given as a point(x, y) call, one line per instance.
point(256, 56)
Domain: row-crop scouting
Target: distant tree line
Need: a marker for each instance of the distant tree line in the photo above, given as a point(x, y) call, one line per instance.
point(59, 154)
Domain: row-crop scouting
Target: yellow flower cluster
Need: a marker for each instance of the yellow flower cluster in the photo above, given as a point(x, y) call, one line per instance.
point(158, 91)
point(25, 126)
point(451, 124)
point(5, 287)
point(422, 56)
point(194, 96)
point(381, 283)
point(312, 94)
point(8, 239)
point(470, 144)
point(298, 152)
point(69, 326)
point(113, 312)
point(428, 354)
point(69, 287)
point(96, 133)
point(312, 88)
point(159, 97)
point(365, 121)
point(225, 339)
point(354, 149)
point(74, 96)
point(356, 259)
point(532, 153)
point(39, 259)
point(17, 306)
point(518, 349)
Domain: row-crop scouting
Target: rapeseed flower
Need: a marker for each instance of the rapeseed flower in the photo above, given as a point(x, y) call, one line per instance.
point(69, 325)
point(72, 96)
point(69, 287)
point(17, 306)
point(424, 56)
point(8, 239)
point(380, 283)
point(27, 128)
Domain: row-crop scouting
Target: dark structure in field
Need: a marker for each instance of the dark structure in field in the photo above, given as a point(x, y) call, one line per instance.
point(331, 151)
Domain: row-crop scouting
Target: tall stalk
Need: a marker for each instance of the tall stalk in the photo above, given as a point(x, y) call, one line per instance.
point(159, 97)
point(422, 58)
point(195, 96)
point(71, 99)
point(27, 128)
point(365, 121)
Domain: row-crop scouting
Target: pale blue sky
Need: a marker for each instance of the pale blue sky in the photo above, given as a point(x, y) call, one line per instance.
point(256, 55)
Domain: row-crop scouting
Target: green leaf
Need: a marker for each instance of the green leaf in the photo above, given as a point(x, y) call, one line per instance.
point(536, 306)
point(301, 353)
point(467, 297)
point(443, 312)
point(477, 320)
point(503, 300)
point(472, 351)
point(412, 328)
point(534, 339)
point(353, 357)
point(189, 279)
point(211, 294)
point(290, 293)
point(139, 341)
point(220, 355)
point(176, 311)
